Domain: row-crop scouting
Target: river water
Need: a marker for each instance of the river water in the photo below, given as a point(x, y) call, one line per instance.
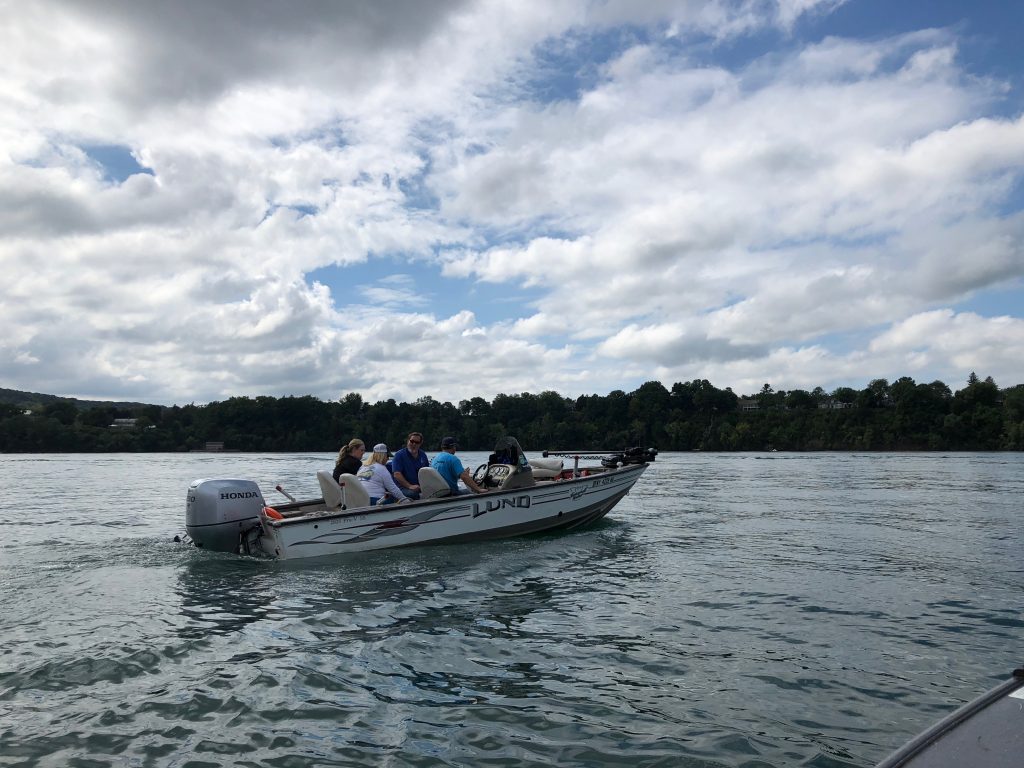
point(742, 610)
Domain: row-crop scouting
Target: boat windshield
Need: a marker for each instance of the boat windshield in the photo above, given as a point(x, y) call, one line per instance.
point(508, 451)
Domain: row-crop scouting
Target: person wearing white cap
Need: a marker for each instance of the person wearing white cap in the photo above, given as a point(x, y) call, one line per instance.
point(378, 481)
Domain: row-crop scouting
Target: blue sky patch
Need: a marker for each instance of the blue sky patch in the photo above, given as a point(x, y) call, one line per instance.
point(116, 160)
point(428, 291)
point(418, 195)
point(568, 66)
point(983, 46)
point(995, 302)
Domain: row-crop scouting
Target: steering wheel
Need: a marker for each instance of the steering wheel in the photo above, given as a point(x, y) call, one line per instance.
point(480, 474)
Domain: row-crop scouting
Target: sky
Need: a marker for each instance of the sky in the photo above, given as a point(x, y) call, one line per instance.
point(456, 199)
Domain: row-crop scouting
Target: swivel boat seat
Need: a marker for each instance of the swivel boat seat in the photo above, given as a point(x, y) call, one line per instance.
point(353, 495)
point(432, 485)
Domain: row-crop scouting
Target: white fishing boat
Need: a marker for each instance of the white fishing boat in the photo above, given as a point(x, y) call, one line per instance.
point(232, 515)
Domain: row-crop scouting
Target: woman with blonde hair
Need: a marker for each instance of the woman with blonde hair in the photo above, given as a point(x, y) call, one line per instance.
point(350, 458)
point(376, 479)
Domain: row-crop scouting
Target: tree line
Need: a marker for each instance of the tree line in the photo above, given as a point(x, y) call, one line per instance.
point(695, 415)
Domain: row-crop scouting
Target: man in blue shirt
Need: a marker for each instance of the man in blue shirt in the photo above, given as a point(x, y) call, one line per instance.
point(451, 469)
point(406, 465)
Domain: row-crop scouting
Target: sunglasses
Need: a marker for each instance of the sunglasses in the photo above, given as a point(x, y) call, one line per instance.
point(415, 442)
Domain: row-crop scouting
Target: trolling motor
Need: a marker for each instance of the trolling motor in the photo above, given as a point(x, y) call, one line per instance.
point(638, 455)
point(609, 459)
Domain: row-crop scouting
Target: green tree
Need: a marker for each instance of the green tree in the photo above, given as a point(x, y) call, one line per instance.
point(801, 400)
point(62, 411)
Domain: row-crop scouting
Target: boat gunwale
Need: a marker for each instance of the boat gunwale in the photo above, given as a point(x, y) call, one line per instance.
point(421, 503)
point(921, 743)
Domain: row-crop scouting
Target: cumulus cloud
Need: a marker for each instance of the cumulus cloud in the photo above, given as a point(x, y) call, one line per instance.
point(850, 190)
point(669, 213)
point(958, 341)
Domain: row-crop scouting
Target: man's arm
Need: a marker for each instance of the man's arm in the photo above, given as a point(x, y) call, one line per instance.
point(400, 479)
point(467, 478)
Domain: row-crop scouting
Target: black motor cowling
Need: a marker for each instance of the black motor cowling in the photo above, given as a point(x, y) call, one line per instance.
point(638, 455)
point(635, 455)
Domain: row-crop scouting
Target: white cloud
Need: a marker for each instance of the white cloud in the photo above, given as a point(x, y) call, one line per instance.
point(669, 214)
point(959, 341)
point(825, 202)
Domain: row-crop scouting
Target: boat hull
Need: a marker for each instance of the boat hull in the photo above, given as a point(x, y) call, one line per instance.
point(494, 515)
point(984, 733)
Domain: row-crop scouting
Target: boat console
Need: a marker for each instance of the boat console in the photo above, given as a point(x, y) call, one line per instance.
point(504, 476)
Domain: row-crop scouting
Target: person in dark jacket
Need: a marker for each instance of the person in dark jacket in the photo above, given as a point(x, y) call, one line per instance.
point(350, 458)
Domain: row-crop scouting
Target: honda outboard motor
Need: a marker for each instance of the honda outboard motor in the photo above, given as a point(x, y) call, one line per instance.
point(217, 512)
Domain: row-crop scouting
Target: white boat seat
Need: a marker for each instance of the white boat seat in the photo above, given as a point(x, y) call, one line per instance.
point(353, 491)
point(432, 485)
point(330, 489)
point(546, 469)
point(354, 494)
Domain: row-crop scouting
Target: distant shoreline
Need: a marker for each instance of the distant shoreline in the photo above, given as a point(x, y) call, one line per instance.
point(696, 415)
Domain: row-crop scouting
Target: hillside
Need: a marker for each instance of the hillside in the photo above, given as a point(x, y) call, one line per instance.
point(35, 399)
